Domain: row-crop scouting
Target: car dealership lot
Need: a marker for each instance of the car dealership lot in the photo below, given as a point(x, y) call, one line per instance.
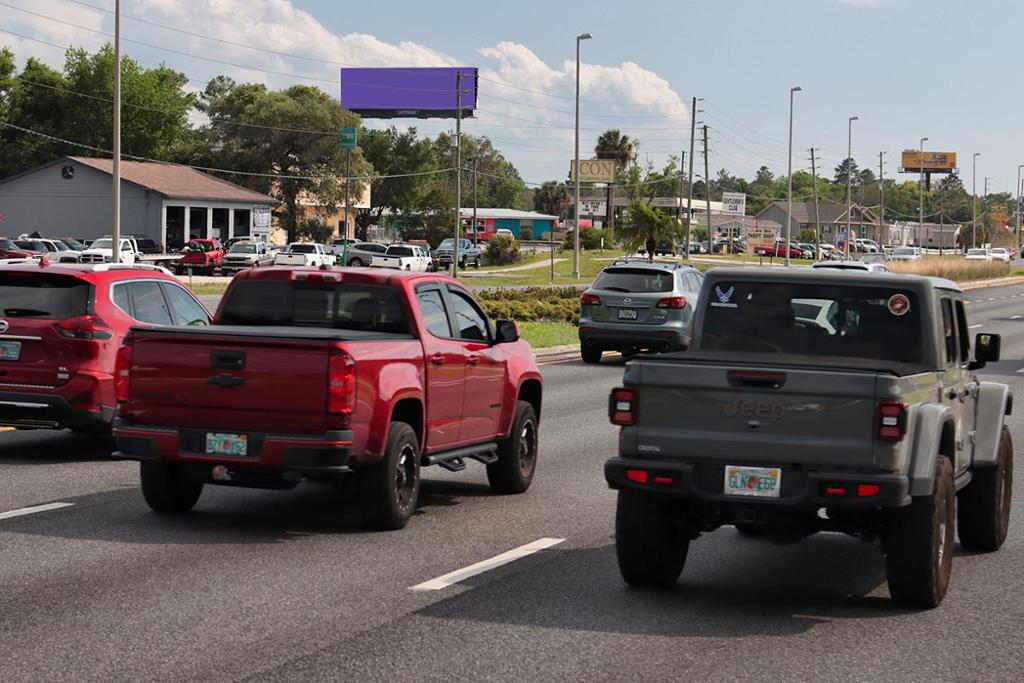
point(268, 585)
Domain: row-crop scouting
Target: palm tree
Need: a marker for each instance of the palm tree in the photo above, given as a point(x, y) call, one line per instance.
point(613, 144)
point(552, 198)
point(646, 227)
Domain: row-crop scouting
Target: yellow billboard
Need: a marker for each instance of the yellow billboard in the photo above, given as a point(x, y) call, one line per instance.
point(914, 161)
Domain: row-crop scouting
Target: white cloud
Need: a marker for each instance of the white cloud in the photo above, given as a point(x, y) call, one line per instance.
point(526, 105)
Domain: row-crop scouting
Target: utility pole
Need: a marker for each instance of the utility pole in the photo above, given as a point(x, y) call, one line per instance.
point(987, 178)
point(881, 199)
point(476, 228)
point(920, 192)
point(116, 170)
point(689, 200)
point(817, 217)
point(707, 185)
point(1018, 209)
point(682, 172)
point(974, 199)
point(458, 171)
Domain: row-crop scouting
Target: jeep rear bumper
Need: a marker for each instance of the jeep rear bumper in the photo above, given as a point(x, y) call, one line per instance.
point(302, 454)
point(703, 482)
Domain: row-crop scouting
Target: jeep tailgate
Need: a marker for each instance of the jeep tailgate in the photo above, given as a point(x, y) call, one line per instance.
point(751, 413)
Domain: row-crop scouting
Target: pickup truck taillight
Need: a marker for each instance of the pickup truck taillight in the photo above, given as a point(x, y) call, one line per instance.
point(341, 386)
point(622, 406)
point(672, 302)
point(892, 420)
point(590, 300)
point(122, 372)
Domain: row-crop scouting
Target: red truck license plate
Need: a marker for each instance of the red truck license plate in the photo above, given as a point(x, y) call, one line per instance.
point(227, 444)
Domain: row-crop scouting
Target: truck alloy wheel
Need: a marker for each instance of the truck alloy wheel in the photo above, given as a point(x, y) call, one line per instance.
point(389, 488)
point(517, 454)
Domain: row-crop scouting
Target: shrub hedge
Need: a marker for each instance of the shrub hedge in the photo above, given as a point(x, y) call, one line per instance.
point(533, 304)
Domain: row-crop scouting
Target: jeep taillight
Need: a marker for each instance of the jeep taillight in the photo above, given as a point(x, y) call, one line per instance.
point(892, 420)
point(341, 386)
point(122, 372)
point(672, 302)
point(590, 299)
point(88, 327)
point(622, 406)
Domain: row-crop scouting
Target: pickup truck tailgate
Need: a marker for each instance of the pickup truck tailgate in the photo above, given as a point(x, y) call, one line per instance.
point(220, 380)
point(754, 414)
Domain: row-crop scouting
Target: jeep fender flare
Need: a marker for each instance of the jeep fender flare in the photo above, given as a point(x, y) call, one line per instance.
point(929, 420)
point(994, 401)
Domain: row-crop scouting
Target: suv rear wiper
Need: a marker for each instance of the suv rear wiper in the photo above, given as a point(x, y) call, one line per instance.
point(24, 312)
point(616, 289)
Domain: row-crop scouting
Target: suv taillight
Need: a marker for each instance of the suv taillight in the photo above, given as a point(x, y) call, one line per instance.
point(122, 372)
point(672, 302)
point(892, 420)
point(622, 406)
point(84, 327)
point(341, 386)
point(590, 300)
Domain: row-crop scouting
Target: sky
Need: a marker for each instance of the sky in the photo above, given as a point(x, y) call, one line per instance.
point(907, 68)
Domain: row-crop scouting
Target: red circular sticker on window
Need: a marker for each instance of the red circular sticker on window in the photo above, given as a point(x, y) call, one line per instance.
point(899, 304)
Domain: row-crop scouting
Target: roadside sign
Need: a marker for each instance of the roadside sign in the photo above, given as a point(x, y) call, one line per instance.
point(593, 206)
point(734, 202)
point(348, 138)
point(761, 238)
point(594, 171)
point(261, 217)
point(1000, 213)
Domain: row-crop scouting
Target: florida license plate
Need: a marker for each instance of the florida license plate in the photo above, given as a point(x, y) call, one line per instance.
point(758, 482)
point(227, 444)
point(627, 314)
point(10, 350)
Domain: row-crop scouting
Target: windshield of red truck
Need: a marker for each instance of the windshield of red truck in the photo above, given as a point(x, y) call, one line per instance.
point(880, 323)
point(312, 304)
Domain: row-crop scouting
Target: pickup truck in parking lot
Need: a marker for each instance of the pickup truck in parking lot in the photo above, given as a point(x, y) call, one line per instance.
point(817, 400)
point(304, 254)
point(404, 257)
point(386, 372)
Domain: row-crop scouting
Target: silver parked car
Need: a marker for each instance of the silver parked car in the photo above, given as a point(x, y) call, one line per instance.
point(636, 305)
point(362, 253)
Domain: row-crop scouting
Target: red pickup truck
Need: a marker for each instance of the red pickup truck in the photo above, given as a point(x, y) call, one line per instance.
point(201, 255)
point(321, 373)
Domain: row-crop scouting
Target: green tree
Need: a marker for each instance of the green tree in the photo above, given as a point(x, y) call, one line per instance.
point(646, 227)
point(614, 144)
point(397, 153)
point(552, 198)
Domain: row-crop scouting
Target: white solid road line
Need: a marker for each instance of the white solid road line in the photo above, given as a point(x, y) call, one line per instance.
point(1015, 317)
point(34, 509)
point(481, 567)
point(974, 327)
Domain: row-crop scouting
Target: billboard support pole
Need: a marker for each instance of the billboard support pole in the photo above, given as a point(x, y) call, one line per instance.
point(458, 171)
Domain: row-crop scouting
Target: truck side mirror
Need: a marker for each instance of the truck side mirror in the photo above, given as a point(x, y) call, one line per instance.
point(986, 349)
point(506, 331)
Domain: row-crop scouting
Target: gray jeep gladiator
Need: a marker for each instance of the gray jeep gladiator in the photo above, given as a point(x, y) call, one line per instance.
point(816, 401)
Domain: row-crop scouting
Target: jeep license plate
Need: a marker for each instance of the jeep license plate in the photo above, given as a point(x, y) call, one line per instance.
point(10, 350)
point(759, 482)
point(227, 444)
point(627, 314)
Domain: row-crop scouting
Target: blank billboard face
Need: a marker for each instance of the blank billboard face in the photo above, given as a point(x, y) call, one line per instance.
point(388, 93)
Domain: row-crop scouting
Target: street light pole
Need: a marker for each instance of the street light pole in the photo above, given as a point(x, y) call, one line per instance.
point(974, 199)
point(920, 192)
point(789, 173)
point(116, 169)
point(849, 179)
point(576, 164)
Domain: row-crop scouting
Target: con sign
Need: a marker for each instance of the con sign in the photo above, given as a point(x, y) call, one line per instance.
point(734, 202)
point(594, 171)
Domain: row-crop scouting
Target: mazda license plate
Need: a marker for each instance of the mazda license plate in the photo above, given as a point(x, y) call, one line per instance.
point(10, 350)
point(627, 314)
point(758, 482)
point(227, 444)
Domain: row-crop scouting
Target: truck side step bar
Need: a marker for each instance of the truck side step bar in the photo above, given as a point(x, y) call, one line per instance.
point(454, 460)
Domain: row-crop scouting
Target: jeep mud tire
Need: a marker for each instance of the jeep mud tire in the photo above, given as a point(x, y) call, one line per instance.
point(983, 506)
point(650, 545)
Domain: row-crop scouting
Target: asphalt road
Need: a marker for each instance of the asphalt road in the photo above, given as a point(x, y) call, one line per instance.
point(287, 586)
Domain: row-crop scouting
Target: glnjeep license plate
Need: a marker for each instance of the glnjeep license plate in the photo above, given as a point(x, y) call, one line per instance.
point(759, 482)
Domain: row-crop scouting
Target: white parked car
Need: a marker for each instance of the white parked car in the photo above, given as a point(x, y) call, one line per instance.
point(102, 251)
point(305, 254)
point(1000, 254)
point(404, 257)
point(978, 255)
point(905, 254)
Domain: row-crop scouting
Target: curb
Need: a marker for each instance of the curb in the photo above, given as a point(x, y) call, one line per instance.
point(979, 284)
point(552, 354)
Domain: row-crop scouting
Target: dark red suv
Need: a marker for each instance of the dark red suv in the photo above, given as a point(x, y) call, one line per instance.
point(60, 328)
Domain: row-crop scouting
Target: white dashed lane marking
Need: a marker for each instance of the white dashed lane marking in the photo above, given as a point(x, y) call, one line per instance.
point(974, 327)
point(487, 565)
point(33, 510)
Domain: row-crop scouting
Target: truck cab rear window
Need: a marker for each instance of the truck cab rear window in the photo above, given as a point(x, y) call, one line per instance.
point(54, 297)
point(342, 306)
point(814, 320)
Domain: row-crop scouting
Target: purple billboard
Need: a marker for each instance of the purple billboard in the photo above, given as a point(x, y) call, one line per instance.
point(425, 93)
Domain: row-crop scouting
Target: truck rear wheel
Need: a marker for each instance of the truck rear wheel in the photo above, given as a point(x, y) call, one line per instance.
point(919, 543)
point(167, 487)
point(390, 487)
point(650, 545)
point(983, 507)
point(517, 455)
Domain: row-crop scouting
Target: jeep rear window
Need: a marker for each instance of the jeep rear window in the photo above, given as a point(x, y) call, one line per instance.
point(54, 297)
point(878, 323)
point(634, 280)
point(306, 304)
